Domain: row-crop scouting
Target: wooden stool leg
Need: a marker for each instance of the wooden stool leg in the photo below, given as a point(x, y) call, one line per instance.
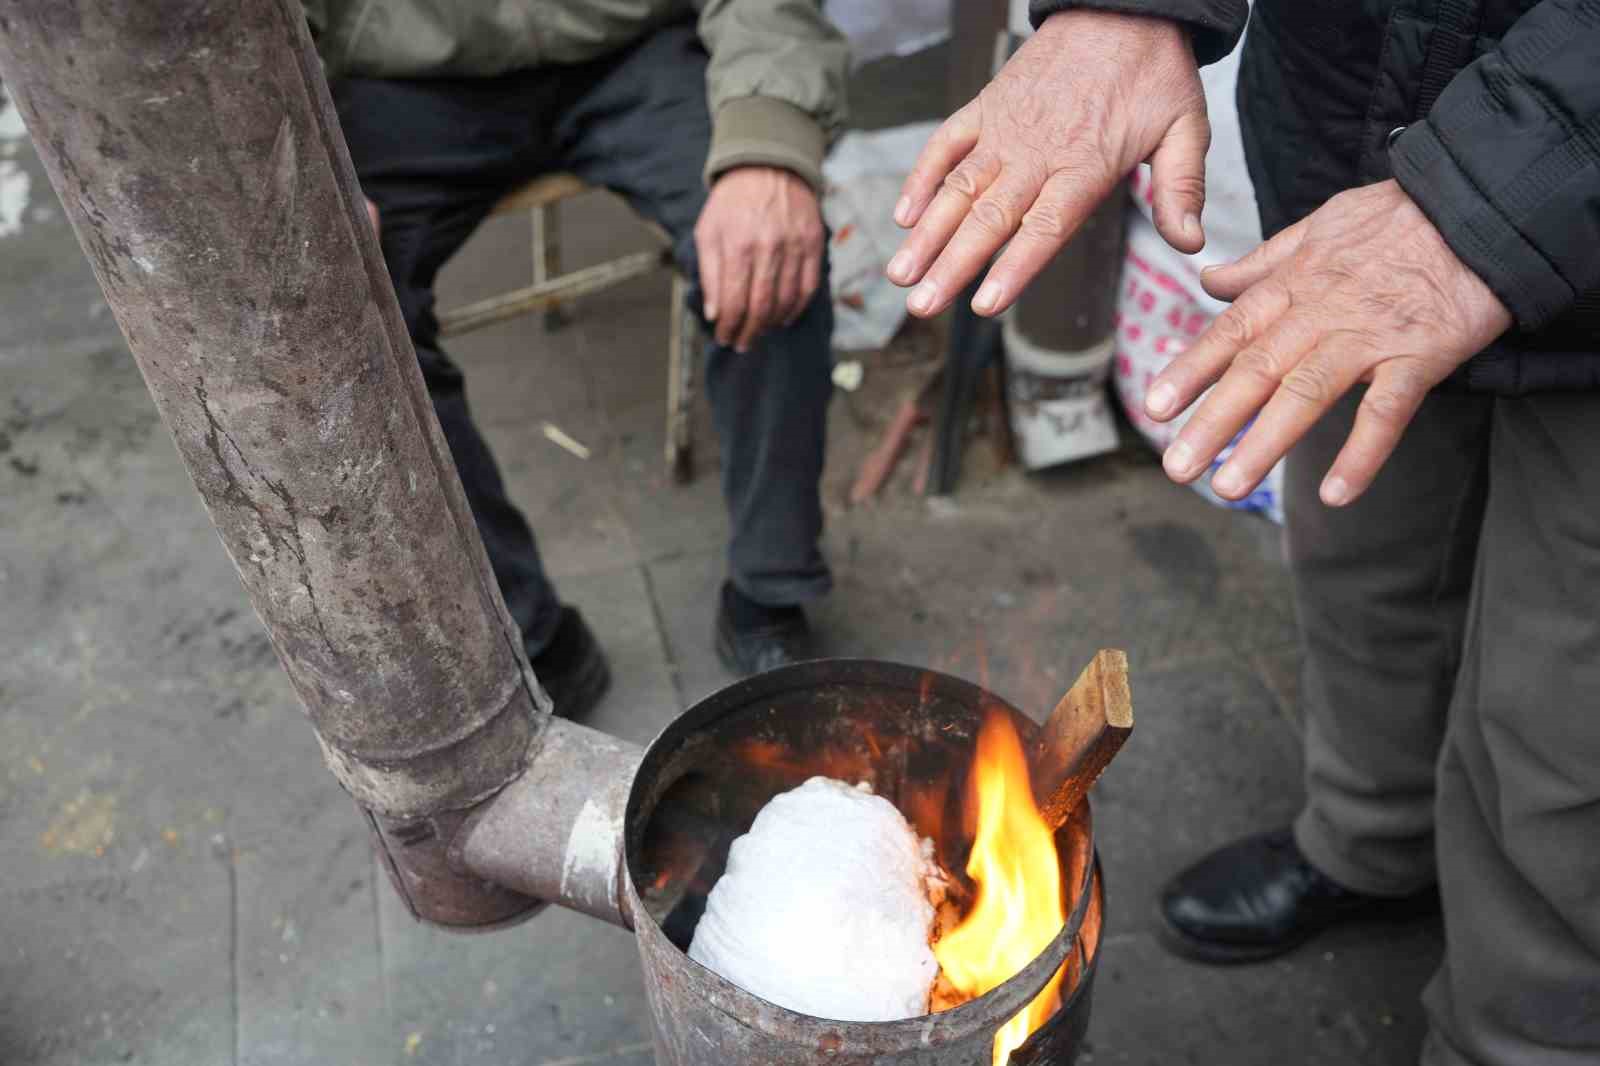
point(681, 346)
point(547, 260)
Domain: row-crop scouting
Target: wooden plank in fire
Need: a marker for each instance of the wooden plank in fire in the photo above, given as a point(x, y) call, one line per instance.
point(1082, 736)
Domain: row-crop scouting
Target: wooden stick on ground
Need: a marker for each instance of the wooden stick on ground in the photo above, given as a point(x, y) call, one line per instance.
point(880, 462)
point(1086, 730)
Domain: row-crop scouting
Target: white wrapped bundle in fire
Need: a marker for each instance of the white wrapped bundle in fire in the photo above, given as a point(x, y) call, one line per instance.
point(826, 907)
point(833, 906)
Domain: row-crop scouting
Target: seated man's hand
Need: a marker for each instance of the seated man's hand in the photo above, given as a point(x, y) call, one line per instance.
point(1085, 100)
point(1364, 289)
point(759, 240)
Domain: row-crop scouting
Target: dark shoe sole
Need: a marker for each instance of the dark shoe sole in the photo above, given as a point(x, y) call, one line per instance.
point(585, 690)
point(1218, 953)
point(730, 659)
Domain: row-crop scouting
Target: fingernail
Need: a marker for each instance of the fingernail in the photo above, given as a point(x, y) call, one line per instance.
point(1159, 402)
point(1191, 224)
point(711, 312)
point(1228, 482)
point(902, 211)
point(1179, 458)
point(899, 270)
point(922, 298)
point(988, 298)
point(1335, 492)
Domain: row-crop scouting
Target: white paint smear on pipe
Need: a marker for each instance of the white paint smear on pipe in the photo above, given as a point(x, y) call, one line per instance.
point(591, 855)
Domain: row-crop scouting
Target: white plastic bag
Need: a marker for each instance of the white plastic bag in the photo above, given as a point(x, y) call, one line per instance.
point(864, 173)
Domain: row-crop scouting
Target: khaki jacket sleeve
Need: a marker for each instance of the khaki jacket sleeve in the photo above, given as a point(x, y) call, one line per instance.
point(776, 84)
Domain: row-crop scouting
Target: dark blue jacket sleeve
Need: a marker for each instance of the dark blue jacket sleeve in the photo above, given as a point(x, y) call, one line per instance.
point(1214, 25)
point(1507, 162)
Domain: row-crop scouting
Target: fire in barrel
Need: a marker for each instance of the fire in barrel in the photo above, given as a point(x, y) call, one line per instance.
point(859, 862)
point(1020, 904)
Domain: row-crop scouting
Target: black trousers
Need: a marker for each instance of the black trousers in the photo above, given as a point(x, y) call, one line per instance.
point(436, 154)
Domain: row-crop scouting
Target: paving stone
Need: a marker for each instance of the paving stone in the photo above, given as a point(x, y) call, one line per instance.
point(619, 608)
point(570, 503)
point(560, 987)
point(310, 964)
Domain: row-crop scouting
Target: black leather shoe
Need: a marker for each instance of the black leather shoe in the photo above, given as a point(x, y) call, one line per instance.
point(1260, 897)
point(573, 668)
point(753, 638)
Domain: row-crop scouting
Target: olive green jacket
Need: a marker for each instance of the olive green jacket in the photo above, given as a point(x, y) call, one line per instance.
point(776, 80)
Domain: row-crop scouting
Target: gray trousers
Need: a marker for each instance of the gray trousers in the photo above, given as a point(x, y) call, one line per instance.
point(1452, 696)
point(435, 155)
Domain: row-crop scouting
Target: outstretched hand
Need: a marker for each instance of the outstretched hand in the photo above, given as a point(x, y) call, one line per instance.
point(1363, 289)
point(1086, 99)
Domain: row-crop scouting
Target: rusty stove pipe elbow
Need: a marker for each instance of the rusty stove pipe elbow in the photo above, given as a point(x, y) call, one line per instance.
point(556, 833)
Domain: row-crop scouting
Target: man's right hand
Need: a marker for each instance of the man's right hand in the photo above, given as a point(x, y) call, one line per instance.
point(1086, 99)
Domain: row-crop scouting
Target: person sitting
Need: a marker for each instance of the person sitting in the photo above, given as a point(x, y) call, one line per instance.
point(709, 119)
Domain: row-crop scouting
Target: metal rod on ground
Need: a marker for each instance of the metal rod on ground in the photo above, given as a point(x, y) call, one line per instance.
point(974, 342)
point(196, 152)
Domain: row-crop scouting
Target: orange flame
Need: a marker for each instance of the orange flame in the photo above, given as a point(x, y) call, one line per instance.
point(1019, 906)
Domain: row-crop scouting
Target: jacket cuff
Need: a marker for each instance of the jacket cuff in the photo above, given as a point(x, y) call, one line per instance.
point(1215, 26)
point(762, 131)
point(1474, 228)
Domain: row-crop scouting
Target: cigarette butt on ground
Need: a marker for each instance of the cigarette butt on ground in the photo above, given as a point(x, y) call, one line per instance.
point(557, 436)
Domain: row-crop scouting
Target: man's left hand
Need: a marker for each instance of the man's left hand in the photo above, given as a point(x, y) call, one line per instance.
point(759, 239)
point(1363, 290)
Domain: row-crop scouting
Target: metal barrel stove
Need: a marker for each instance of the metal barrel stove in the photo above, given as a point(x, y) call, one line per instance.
point(908, 732)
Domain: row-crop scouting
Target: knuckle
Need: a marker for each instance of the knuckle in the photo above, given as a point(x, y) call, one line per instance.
point(1234, 326)
point(1047, 223)
point(970, 175)
point(991, 216)
point(1261, 363)
point(1386, 405)
point(1391, 401)
point(1309, 382)
point(1188, 187)
point(962, 181)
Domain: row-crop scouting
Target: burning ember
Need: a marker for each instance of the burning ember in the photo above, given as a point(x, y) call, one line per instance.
point(1019, 905)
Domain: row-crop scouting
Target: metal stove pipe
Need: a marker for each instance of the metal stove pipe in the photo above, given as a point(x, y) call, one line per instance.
point(197, 154)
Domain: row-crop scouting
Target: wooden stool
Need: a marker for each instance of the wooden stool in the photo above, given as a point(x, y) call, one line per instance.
point(553, 292)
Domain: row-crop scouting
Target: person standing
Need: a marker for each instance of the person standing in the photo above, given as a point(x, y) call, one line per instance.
point(1421, 335)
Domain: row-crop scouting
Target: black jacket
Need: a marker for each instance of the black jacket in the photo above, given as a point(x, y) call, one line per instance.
point(1486, 111)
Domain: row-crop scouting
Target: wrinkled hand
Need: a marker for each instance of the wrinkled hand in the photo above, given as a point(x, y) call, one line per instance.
point(759, 240)
point(1086, 99)
point(1364, 289)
